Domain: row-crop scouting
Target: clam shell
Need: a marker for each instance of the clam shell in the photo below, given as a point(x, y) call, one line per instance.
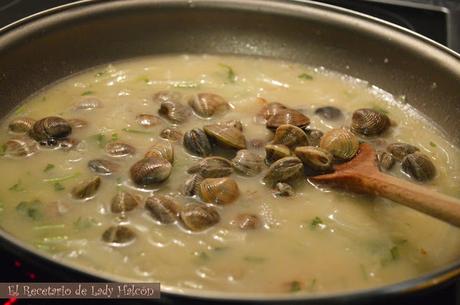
point(219, 190)
point(283, 190)
point(290, 135)
point(199, 217)
point(207, 104)
point(192, 185)
point(50, 128)
point(329, 113)
point(341, 143)
point(167, 96)
point(118, 149)
point(287, 116)
point(227, 135)
point(197, 143)
point(246, 221)
point(150, 171)
point(247, 163)
point(103, 167)
point(147, 120)
point(171, 134)
point(314, 136)
point(162, 208)
point(283, 170)
point(20, 147)
point(385, 160)
point(89, 103)
point(119, 235)
point(161, 148)
point(86, 189)
point(400, 150)
point(369, 122)
point(419, 167)
point(21, 125)
point(269, 110)
point(212, 167)
point(174, 112)
point(123, 202)
point(314, 158)
point(275, 152)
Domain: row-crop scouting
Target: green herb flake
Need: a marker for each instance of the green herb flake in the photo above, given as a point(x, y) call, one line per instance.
point(254, 259)
point(100, 139)
point(231, 76)
point(380, 109)
point(50, 227)
point(131, 130)
point(2, 150)
point(305, 76)
point(49, 167)
point(114, 137)
point(83, 223)
point(312, 284)
point(89, 92)
point(20, 109)
point(316, 222)
point(295, 286)
point(60, 179)
point(18, 187)
point(202, 255)
point(394, 251)
point(432, 144)
point(31, 209)
point(58, 187)
point(185, 85)
point(101, 73)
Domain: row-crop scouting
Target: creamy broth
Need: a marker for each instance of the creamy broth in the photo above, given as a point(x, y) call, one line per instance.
point(315, 241)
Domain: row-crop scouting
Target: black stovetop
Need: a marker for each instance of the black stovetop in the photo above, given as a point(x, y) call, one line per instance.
point(436, 19)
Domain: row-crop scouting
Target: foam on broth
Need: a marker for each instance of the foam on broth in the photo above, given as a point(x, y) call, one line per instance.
point(360, 242)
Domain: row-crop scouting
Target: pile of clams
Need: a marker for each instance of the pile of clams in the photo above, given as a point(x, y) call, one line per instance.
point(223, 156)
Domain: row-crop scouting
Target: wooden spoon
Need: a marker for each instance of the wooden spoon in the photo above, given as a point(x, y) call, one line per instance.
point(362, 175)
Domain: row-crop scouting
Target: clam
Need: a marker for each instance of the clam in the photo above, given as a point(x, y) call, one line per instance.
point(276, 152)
point(283, 170)
point(77, 123)
point(118, 149)
point(197, 143)
point(192, 185)
point(400, 150)
point(20, 147)
point(21, 125)
point(86, 189)
point(219, 190)
point(287, 116)
point(174, 112)
point(270, 110)
point(257, 144)
point(314, 136)
point(314, 158)
point(283, 190)
point(329, 113)
point(68, 144)
point(418, 166)
point(227, 135)
point(290, 135)
point(212, 167)
point(50, 128)
point(199, 217)
point(147, 120)
point(385, 160)
point(247, 163)
point(207, 104)
point(161, 148)
point(118, 235)
point(124, 202)
point(89, 103)
point(150, 171)
point(103, 167)
point(246, 221)
point(162, 208)
point(369, 122)
point(341, 143)
point(171, 134)
point(234, 123)
point(167, 96)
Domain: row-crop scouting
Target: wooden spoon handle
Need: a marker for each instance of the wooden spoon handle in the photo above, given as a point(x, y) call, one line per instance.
point(415, 196)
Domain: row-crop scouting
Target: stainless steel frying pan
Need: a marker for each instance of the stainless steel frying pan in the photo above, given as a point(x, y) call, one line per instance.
point(43, 48)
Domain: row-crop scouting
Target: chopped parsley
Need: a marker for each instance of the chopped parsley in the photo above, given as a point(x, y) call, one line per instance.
point(58, 187)
point(131, 130)
point(432, 144)
point(84, 223)
point(18, 187)
point(394, 251)
point(31, 209)
point(295, 286)
point(305, 76)
point(49, 167)
point(2, 149)
point(89, 92)
point(60, 179)
point(231, 76)
point(316, 222)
